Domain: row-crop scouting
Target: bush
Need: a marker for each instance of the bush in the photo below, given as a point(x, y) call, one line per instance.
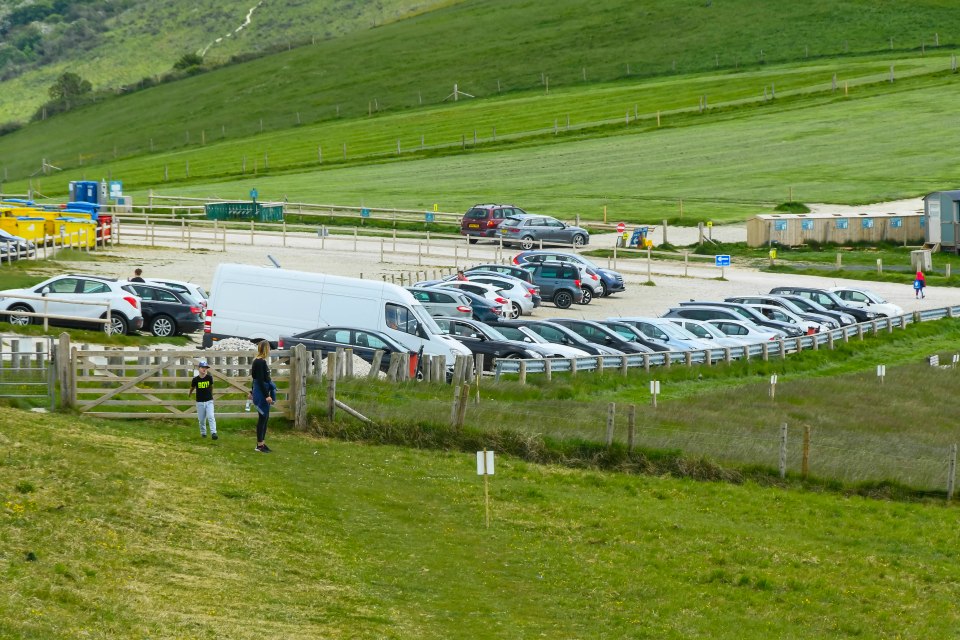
point(792, 207)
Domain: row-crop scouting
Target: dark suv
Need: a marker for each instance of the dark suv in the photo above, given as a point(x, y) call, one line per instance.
point(558, 282)
point(482, 220)
point(167, 312)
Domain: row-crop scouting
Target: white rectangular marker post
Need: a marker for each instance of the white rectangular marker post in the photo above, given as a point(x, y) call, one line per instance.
point(881, 372)
point(485, 469)
point(654, 390)
point(773, 386)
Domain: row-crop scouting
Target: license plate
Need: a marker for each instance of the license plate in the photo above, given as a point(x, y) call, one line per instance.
point(473, 226)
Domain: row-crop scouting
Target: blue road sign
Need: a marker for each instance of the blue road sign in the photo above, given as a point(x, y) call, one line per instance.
point(364, 213)
point(722, 261)
point(429, 216)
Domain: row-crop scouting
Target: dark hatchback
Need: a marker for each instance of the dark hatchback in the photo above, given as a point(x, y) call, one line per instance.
point(363, 342)
point(167, 312)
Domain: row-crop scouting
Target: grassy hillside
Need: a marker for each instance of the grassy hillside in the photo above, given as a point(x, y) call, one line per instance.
point(140, 529)
point(148, 37)
point(724, 167)
point(403, 63)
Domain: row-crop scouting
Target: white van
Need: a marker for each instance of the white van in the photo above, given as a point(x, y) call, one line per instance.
point(262, 303)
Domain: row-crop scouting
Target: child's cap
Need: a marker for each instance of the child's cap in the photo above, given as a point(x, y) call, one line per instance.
point(203, 363)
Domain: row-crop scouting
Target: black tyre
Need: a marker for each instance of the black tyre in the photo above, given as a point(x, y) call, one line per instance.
point(579, 240)
point(21, 321)
point(118, 325)
point(587, 295)
point(527, 243)
point(563, 299)
point(604, 290)
point(472, 240)
point(515, 311)
point(163, 326)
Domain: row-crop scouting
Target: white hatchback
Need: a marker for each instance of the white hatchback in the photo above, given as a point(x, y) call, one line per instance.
point(867, 300)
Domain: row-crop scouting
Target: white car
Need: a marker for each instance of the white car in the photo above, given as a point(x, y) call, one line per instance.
point(706, 331)
point(751, 332)
point(867, 299)
point(666, 332)
point(781, 314)
point(518, 292)
point(193, 290)
point(60, 291)
point(487, 291)
point(524, 334)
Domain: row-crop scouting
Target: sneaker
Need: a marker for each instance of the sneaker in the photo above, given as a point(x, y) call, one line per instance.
point(259, 449)
point(267, 449)
point(213, 436)
point(203, 435)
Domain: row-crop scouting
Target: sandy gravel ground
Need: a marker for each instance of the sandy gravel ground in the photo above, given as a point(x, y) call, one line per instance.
point(342, 255)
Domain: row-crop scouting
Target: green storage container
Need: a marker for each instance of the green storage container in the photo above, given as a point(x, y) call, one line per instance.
point(244, 211)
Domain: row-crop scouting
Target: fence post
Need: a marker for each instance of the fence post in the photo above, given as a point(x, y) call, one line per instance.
point(952, 475)
point(783, 450)
point(331, 386)
point(523, 372)
point(462, 410)
point(631, 426)
point(298, 386)
point(623, 365)
point(548, 369)
point(64, 363)
point(611, 417)
point(805, 462)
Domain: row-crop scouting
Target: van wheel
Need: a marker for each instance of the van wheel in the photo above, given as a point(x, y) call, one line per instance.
point(515, 310)
point(163, 326)
point(563, 299)
point(526, 243)
point(587, 295)
point(21, 321)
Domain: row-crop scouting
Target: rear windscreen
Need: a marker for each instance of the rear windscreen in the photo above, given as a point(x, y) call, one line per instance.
point(476, 214)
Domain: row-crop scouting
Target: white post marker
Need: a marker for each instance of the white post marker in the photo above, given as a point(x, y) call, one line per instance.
point(485, 469)
point(956, 359)
point(882, 371)
point(654, 390)
point(773, 386)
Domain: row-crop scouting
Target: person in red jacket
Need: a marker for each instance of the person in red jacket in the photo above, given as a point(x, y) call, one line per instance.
point(918, 285)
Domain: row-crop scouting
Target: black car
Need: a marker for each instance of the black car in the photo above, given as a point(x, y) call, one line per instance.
point(604, 336)
point(481, 338)
point(828, 300)
point(483, 310)
point(559, 334)
point(364, 343)
point(167, 312)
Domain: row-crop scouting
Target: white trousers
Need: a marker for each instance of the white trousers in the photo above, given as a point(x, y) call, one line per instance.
point(205, 417)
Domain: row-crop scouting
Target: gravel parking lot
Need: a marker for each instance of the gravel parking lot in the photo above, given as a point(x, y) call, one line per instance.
point(338, 256)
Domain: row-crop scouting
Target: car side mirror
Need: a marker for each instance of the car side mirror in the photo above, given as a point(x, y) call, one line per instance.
point(45, 291)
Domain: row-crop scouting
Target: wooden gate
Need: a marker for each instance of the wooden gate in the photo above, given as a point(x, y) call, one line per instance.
point(125, 383)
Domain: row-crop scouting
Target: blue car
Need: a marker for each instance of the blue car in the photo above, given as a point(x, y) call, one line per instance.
point(610, 281)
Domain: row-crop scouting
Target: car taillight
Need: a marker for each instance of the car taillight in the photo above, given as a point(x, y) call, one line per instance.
point(491, 224)
point(499, 300)
point(515, 260)
point(464, 309)
point(132, 301)
point(594, 276)
point(195, 310)
point(576, 283)
point(280, 343)
point(514, 230)
point(207, 321)
point(533, 292)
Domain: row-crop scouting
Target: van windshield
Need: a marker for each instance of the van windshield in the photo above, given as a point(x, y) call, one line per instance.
point(426, 320)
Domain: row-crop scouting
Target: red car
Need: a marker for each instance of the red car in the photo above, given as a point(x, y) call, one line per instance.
point(482, 220)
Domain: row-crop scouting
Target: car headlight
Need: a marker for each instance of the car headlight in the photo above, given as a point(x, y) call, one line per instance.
point(872, 314)
point(532, 354)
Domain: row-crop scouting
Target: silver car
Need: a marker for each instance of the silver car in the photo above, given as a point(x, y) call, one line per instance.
point(518, 292)
point(443, 303)
point(530, 230)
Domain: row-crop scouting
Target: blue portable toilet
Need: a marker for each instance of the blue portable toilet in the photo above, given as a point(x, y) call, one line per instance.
point(85, 191)
point(83, 207)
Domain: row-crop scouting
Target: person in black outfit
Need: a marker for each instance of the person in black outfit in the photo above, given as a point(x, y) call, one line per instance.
point(137, 275)
point(263, 393)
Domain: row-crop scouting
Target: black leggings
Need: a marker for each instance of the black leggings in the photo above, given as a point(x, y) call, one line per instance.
point(262, 426)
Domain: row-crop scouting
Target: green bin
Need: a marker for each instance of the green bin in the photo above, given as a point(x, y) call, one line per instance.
point(244, 211)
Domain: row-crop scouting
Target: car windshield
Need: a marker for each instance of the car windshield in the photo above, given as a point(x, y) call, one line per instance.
point(493, 333)
point(674, 331)
point(697, 330)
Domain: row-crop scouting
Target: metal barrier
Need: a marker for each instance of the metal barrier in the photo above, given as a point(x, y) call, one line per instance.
point(27, 368)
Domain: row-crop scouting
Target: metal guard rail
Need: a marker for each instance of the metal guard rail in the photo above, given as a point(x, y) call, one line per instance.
point(773, 348)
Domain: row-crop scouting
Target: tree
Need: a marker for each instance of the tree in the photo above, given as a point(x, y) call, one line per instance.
point(69, 86)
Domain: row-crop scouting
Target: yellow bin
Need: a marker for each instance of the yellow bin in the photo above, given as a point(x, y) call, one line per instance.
point(76, 232)
point(30, 228)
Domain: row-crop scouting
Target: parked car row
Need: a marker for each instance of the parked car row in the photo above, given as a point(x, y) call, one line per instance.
point(513, 226)
point(162, 308)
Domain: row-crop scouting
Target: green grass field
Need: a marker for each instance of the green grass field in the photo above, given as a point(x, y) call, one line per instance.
point(115, 529)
